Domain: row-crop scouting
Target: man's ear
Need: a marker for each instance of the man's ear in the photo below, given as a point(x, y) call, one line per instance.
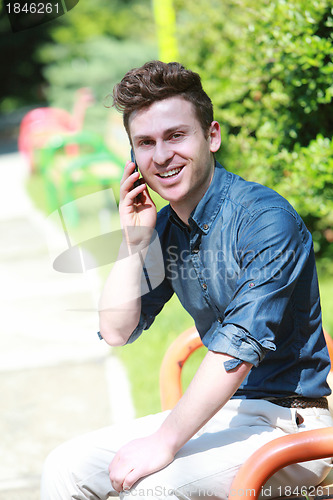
point(215, 136)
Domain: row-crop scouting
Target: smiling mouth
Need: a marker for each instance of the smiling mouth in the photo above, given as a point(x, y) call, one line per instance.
point(171, 173)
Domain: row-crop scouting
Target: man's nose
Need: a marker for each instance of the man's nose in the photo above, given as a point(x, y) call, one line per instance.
point(162, 153)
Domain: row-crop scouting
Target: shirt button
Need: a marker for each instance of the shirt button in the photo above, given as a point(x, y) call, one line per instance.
point(195, 250)
point(205, 226)
point(219, 320)
point(204, 286)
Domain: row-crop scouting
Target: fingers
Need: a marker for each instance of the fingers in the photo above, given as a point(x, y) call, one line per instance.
point(122, 479)
point(135, 460)
point(125, 483)
point(132, 477)
point(133, 194)
point(116, 475)
point(128, 190)
point(123, 471)
point(128, 178)
point(128, 170)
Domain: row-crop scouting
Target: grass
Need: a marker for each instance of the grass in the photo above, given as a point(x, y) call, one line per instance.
point(143, 358)
point(326, 294)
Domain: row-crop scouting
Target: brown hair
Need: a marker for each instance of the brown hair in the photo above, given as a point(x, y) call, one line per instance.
point(155, 81)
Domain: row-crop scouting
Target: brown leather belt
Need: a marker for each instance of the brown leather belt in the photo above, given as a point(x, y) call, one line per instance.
point(301, 402)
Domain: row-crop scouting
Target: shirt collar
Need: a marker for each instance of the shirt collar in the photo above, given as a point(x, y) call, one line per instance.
point(208, 207)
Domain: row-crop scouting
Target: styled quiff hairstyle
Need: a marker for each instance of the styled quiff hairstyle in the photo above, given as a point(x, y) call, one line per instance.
point(156, 81)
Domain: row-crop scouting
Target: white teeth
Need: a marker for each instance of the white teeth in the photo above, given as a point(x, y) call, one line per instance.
point(171, 172)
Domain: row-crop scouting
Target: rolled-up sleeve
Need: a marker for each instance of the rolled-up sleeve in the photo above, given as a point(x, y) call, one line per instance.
point(238, 343)
point(272, 249)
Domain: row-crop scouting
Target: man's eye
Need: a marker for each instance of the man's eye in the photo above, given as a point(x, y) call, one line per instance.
point(176, 135)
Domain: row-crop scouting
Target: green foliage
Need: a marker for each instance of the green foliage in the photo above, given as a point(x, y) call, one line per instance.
point(120, 19)
point(307, 182)
point(94, 46)
point(269, 72)
point(97, 63)
point(326, 293)
point(47, 62)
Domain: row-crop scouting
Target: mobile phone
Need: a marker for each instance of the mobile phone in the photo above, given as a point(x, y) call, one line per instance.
point(136, 167)
point(139, 181)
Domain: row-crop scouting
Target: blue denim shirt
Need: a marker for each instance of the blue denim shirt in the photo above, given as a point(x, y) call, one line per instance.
point(245, 271)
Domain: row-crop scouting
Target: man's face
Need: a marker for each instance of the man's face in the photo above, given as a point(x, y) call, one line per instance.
point(173, 154)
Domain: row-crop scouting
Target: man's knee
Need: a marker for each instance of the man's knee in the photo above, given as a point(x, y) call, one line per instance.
point(77, 469)
point(59, 470)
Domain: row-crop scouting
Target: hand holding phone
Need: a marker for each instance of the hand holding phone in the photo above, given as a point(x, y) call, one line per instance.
point(140, 210)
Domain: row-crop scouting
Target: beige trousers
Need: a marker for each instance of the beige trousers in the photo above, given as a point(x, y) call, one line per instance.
point(203, 468)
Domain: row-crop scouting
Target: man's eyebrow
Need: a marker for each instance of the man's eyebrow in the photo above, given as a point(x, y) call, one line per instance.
point(168, 131)
point(181, 126)
point(141, 137)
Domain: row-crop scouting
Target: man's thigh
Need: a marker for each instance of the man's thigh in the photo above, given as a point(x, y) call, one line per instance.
point(79, 468)
point(204, 467)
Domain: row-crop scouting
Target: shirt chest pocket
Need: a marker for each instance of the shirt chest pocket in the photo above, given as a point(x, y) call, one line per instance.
point(203, 286)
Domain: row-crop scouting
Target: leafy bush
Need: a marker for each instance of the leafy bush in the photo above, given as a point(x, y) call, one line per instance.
point(269, 72)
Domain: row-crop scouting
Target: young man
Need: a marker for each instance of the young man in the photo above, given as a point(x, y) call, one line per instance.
point(241, 262)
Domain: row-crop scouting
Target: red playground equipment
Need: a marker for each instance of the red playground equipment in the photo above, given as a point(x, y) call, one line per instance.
point(40, 124)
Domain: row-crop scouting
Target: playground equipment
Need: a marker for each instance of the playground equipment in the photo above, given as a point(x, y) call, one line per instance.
point(41, 124)
point(71, 161)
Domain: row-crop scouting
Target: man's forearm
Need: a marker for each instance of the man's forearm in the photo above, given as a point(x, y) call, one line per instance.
point(209, 390)
point(211, 387)
point(120, 302)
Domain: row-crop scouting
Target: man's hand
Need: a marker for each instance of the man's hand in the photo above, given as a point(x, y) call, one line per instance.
point(137, 459)
point(211, 387)
point(137, 213)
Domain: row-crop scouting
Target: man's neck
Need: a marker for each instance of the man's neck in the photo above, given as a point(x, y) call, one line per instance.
point(182, 212)
point(184, 208)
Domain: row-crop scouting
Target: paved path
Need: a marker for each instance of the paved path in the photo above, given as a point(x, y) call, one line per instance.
point(57, 380)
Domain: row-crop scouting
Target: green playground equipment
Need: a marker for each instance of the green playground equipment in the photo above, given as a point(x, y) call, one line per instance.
point(81, 159)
